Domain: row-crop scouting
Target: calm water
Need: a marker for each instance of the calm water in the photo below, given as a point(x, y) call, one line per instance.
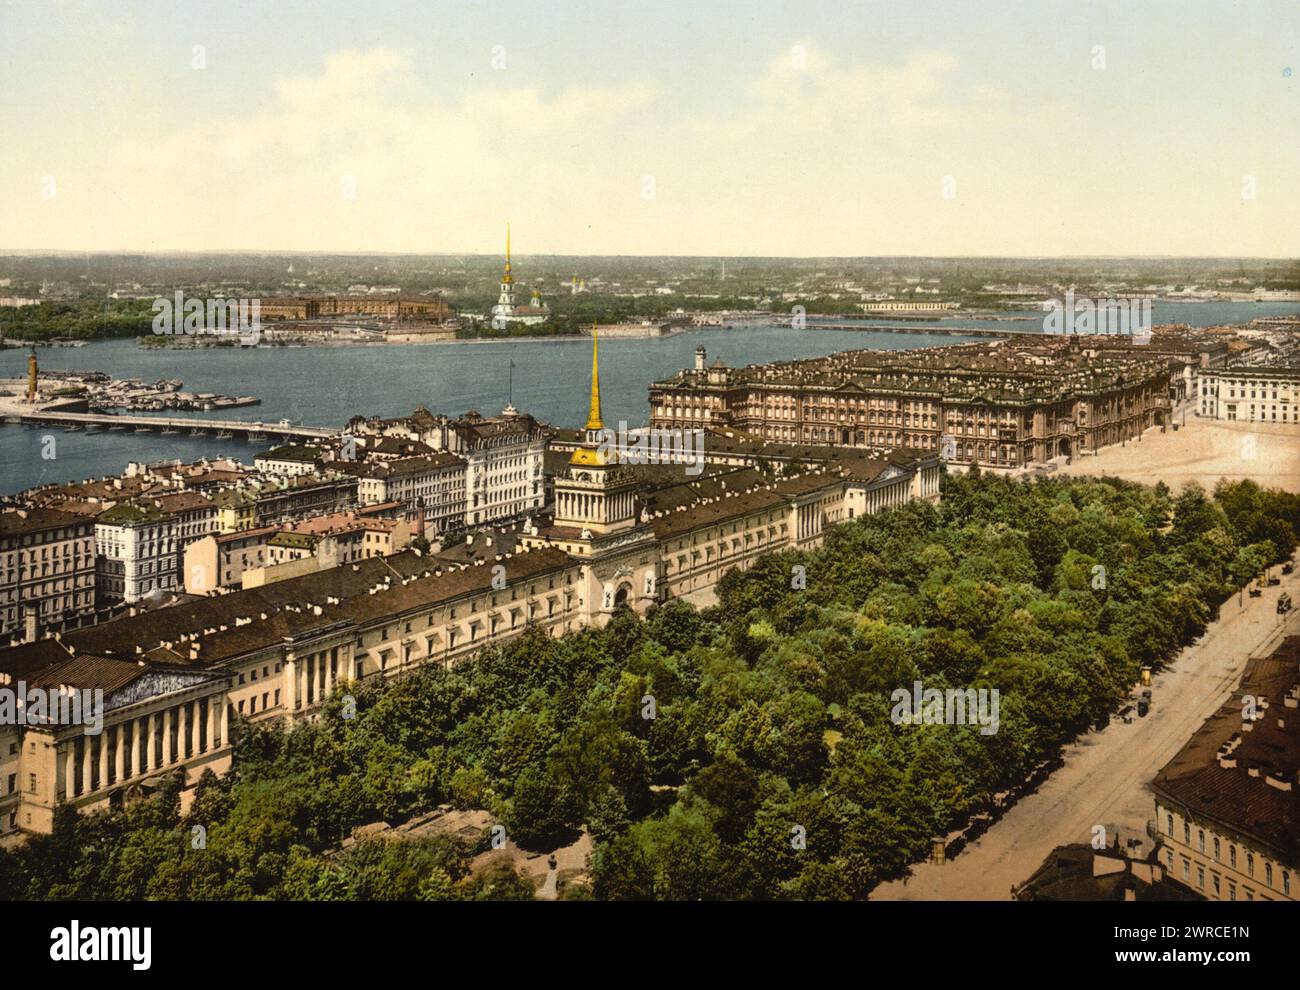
point(326, 386)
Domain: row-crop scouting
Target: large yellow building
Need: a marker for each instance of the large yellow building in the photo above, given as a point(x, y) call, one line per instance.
point(104, 731)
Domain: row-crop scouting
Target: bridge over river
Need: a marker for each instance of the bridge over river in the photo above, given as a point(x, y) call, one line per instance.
point(193, 426)
point(956, 331)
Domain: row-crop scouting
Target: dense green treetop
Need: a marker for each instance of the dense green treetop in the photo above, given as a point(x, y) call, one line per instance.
point(771, 767)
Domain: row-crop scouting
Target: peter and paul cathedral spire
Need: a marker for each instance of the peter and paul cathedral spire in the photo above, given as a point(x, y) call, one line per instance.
point(504, 311)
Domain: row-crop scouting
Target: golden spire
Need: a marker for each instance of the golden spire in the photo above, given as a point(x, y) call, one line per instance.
point(593, 416)
point(507, 276)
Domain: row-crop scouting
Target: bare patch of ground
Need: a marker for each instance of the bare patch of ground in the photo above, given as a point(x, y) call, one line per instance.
point(1203, 450)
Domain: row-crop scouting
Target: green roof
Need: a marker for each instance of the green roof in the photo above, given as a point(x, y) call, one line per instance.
point(234, 496)
point(130, 513)
point(303, 541)
point(291, 452)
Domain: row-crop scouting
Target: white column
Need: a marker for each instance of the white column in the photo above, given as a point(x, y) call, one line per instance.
point(59, 772)
point(213, 715)
point(168, 747)
point(150, 753)
point(70, 770)
point(85, 764)
point(137, 737)
point(103, 758)
point(225, 724)
point(195, 723)
point(291, 683)
point(119, 752)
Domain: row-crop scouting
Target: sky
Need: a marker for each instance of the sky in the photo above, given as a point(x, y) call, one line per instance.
point(655, 127)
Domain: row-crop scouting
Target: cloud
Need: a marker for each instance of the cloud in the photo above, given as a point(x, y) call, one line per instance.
point(814, 154)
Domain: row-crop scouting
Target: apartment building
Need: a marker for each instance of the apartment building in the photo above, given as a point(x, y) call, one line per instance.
point(503, 457)
point(289, 460)
point(47, 569)
point(141, 543)
point(1227, 804)
point(283, 499)
point(433, 484)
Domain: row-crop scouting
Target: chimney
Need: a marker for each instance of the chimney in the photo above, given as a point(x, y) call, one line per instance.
point(31, 623)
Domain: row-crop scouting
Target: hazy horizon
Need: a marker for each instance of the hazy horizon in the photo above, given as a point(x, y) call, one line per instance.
point(294, 252)
point(734, 129)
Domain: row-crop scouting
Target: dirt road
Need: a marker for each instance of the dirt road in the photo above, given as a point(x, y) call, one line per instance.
point(1105, 776)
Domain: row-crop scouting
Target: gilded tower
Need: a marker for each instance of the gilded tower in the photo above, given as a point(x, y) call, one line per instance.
point(595, 494)
point(505, 307)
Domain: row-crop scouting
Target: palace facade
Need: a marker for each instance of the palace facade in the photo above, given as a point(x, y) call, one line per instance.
point(1251, 394)
point(1000, 404)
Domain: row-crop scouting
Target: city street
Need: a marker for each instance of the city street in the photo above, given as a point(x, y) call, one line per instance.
point(1105, 776)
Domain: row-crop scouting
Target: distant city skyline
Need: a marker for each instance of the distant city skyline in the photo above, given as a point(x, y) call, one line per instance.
point(734, 129)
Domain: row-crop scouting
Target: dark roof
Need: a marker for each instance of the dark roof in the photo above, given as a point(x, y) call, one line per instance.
point(392, 601)
point(240, 535)
point(299, 606)
point(1081, 873)
point(17, 522)
point(1211, 776)
point(503, 541)
point(86, 671)
point(20, 661)
point(121, 636)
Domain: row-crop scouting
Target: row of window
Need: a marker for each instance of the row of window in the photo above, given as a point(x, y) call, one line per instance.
point(47, 537)
point(1216, 850)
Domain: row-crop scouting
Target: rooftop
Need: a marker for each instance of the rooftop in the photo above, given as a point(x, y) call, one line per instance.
point(1243, 773)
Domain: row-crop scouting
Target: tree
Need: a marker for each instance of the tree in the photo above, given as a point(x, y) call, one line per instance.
point(543, 814)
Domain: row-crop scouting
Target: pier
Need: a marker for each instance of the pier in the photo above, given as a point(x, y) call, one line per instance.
point(223, 429)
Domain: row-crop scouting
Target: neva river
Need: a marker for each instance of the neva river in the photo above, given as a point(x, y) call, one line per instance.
point(326, 386)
